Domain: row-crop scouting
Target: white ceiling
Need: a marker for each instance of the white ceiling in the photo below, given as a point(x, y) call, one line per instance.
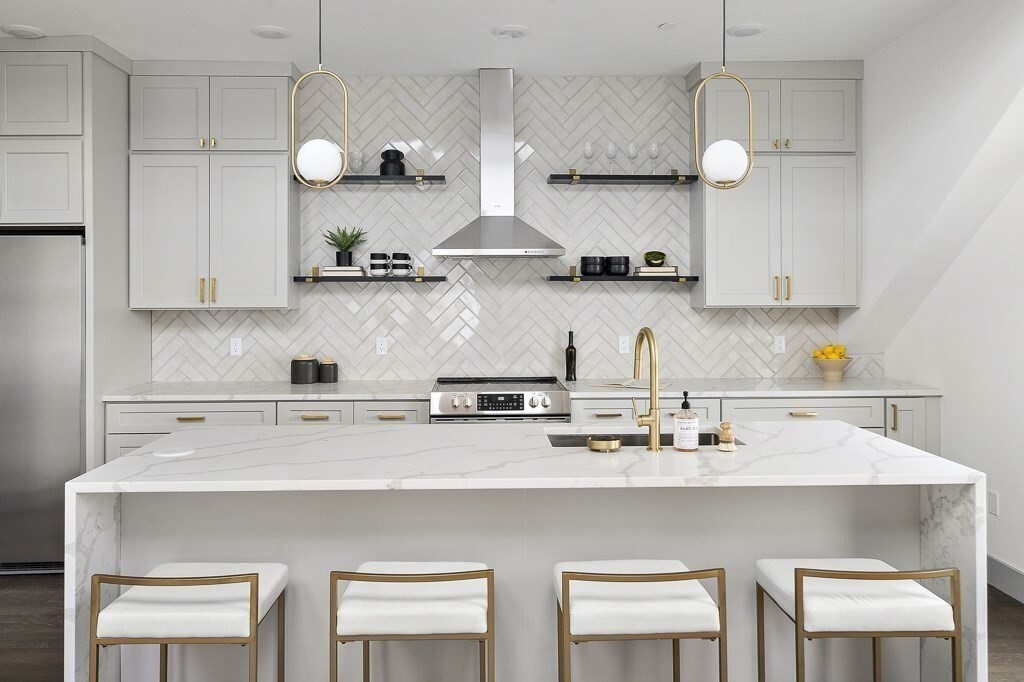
point(568, 37)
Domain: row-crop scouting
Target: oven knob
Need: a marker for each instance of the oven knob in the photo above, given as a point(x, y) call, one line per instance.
point(455, 401)
point(545, 401)
point(534, 401)
point(469, 401)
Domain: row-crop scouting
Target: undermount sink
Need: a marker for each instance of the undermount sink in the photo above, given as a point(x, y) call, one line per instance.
point(579, 440)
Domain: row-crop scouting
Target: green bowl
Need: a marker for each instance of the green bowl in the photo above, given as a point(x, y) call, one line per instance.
point(654, 259)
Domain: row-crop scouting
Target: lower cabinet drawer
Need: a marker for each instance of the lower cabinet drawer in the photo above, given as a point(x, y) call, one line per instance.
point(119, 444)
point(708, 410)
point(381, 412)
point(868, 412)
point(609, 411)
point(313, 413)
point(164, 417)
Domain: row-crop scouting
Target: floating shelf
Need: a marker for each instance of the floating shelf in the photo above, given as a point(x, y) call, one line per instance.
point(390, 179)
point(316, 280)
point(571, 178)
point(679, 279)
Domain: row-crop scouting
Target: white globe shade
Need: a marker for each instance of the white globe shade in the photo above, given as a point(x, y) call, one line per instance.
point(724, 162)
point(319, 161)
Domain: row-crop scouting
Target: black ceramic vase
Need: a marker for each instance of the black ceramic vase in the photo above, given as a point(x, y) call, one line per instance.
point(392, 164)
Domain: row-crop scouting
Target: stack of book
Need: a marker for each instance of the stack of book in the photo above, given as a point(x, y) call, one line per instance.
point(342, 271)
point(660, 271)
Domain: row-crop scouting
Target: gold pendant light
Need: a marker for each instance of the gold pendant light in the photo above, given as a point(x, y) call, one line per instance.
point(725, 164)
point(320, 163)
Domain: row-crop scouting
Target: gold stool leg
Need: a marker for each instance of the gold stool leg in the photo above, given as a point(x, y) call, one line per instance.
point(958, 659)
point(253, 658)
point(280, 637)
point(760, 635)
point(561, 652)
point(366, 661)
point(483, 660)
point(675, 660)
point(800, 672)
point(490, 657)
point(163, 663)
point(94, 663)
point(723, 655)
point(876, 656)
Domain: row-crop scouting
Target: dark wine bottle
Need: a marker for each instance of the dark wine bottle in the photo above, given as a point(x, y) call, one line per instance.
point(570, 360)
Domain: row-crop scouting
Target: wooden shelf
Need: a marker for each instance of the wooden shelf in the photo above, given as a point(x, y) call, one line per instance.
point(316, 280)
point(390, 179)
point(679, 279)
point(604, 179)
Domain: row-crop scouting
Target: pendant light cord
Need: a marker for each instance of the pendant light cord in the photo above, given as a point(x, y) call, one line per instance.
point(723, 35)
point(320, 35)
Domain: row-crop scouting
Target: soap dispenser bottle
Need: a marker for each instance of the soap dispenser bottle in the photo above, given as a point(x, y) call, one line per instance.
point(686, 427)
point(570, 360)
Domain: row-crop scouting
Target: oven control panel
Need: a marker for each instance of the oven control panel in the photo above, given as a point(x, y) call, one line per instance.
point(500, 402)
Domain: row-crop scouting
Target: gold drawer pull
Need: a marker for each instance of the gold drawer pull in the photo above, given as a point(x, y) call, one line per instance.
point(213, 290)
point(608, 415)
point(192, 419)
point(803, 414)
point(391, 417)
point(789, 288)
point(202, 290)
point(213, 142)
point(895, 417)
point(315, 417)
point(777, 287)
point(202, 141)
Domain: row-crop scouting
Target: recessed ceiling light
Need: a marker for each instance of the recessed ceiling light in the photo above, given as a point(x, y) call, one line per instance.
point(22, 31)
point(667, 26)
point(746, 30)
point(271, 32)
point(510, 32)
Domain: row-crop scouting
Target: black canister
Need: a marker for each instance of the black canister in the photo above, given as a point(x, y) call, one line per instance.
point(328, 371)
point(392, 164)
point(305, 369)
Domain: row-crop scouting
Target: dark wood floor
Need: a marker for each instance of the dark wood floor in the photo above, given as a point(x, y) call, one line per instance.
point(31, 631)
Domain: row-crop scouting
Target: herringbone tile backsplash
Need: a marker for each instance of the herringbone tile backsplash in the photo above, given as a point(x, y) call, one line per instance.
point(497, 316)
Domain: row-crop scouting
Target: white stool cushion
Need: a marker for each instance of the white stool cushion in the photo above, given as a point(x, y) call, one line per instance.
point(854, 605)
point(635, 608)
point(428, 608)
point(191, 611)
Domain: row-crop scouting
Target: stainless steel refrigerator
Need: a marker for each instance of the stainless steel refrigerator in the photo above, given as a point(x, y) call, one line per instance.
point(41, 394)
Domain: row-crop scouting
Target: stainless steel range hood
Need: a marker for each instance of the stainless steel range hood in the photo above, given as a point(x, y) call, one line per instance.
point(497, 233)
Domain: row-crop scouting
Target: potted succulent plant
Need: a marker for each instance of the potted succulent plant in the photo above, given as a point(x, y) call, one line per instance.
point(344, 241)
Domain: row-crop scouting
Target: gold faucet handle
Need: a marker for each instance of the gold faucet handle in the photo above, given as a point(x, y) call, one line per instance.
point(641, 419)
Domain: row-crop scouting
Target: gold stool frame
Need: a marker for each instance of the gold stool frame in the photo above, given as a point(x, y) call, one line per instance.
point(565, 639)
point(955, 635)
point(486, 639)
point(253, 579)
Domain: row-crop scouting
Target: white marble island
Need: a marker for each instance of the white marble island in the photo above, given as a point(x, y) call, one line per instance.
point(331, 497)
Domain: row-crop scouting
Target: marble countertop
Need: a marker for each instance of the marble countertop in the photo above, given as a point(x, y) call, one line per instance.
point(507, 456)
point(217, 391)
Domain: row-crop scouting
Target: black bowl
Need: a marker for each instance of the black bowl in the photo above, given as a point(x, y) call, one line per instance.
point(617, 266)
point(592, 266)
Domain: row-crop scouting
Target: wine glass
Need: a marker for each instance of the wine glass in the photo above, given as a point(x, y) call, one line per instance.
point(588, 154)
point(652, 152)
point(632, 152)
point(356, 159)
point(610, 151)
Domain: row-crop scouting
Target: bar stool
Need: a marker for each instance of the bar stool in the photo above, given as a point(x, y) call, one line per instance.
point(404, 600)
point(833, 598)
point(637, 599)
point(190, 603)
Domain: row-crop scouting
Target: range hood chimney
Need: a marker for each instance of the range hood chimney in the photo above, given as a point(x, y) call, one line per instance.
point(497, 233)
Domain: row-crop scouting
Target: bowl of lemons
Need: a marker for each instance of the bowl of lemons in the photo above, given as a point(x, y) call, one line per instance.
point(832, 360)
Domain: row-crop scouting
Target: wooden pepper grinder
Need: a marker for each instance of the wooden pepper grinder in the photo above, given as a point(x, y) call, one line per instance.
point(727, 441)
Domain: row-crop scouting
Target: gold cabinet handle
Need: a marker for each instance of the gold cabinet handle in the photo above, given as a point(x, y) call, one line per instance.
point(202, 141)
point(895, 417)
point(213, 143)
point(213, 290)
point(391, 417)
point(314, 417)
point(778, 144)
point(789, 287)
point(202, 290)
point(607, 415)
point(192, 419)
point(778, 287)
point(789, 143)
point(803, 414)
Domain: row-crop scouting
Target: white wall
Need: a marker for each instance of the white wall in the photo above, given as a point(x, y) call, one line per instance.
point(931, 99)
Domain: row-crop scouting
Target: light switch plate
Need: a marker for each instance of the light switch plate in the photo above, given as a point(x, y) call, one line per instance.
point(382, 345)
point(624, 345)
point(993, 503)
point(235, 347)
point(779, 345)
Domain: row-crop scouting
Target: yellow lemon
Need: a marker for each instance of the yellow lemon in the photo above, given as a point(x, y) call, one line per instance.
point(840, 349)
point(828, 349)
point(832, 356)
point(818, 354)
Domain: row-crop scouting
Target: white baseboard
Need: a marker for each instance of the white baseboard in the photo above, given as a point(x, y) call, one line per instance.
point(1006, 578)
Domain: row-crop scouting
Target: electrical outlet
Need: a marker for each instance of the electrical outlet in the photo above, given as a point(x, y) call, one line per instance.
point(382, 345)
point(779, 345)
point(235, 347)
point(993, 503)
point(624, 345)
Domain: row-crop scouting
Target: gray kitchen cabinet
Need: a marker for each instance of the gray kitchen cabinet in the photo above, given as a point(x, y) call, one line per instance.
point(170, 113)
point(120, 444)
point(864, 412)
point(914, 421)
point(391, 412)
point(312, 413)
point(40, 93)
point(820, 259)
point(249, 113)
point(725, 112)
point(169, 231)
point(41, 181)
point(819, 115)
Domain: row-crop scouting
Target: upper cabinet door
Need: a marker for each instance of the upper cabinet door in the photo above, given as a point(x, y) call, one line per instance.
point(40, 93)
point(819, 230)
point(819, 115)
point(249, 230)
point(249, 113)
point(742, 264)
point(725, 111)
point(170, 113)
point(169, 231)
point(41, 182)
